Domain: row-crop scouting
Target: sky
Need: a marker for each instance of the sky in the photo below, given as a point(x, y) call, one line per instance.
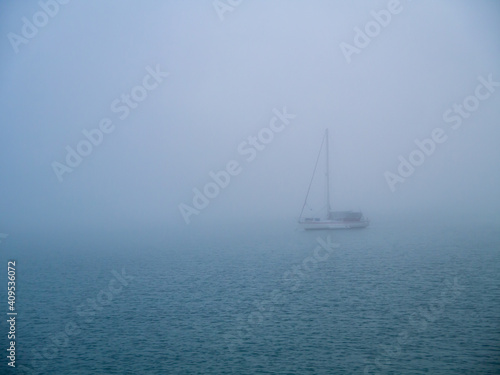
point(207, 75)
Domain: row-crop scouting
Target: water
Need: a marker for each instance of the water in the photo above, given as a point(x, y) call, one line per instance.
point(401, 297)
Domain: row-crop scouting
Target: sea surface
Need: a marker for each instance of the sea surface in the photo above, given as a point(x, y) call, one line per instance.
point(404, 296)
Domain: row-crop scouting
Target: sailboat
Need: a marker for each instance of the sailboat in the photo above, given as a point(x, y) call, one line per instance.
point(332, 219)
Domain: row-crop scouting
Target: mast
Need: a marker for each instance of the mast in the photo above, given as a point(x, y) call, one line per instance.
point(328, 207)
point(325, 138)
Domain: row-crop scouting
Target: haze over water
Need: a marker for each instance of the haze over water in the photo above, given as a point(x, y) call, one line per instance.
point(155, 157)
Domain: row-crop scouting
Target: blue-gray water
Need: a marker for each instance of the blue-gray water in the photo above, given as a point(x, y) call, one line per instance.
point(403, 296)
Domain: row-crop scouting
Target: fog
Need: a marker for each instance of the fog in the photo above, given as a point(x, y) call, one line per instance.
point(229, 72)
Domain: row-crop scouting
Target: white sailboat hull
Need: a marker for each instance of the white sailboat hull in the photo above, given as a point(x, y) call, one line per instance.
point(333, 224)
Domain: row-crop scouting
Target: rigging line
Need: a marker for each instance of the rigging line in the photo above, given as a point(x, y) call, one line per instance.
point(314, 172)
